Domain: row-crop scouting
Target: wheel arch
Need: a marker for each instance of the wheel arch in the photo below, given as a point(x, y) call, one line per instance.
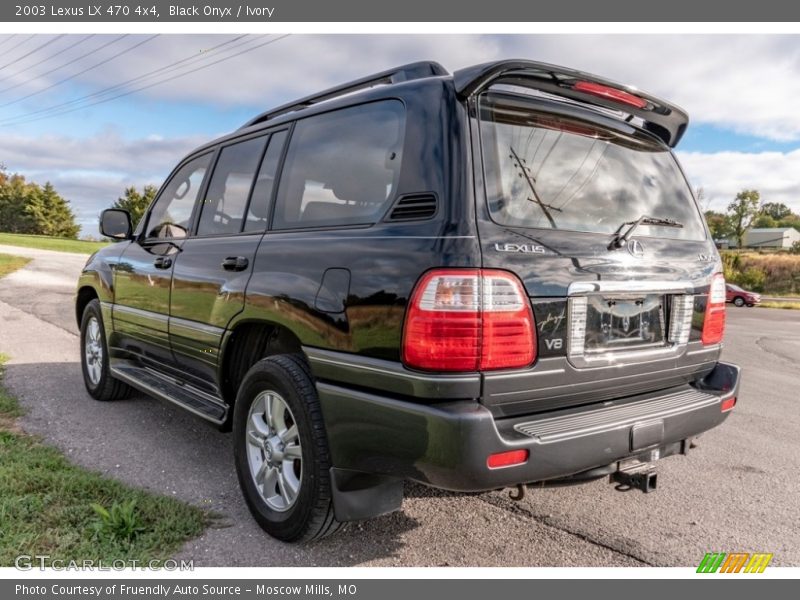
point(245, 344)
point(86, 294)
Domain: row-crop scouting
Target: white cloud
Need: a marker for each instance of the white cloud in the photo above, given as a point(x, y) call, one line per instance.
point(92, 172)
point(723, 174)
point(748, 83)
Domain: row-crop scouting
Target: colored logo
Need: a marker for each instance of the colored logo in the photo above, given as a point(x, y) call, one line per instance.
point(734, 562)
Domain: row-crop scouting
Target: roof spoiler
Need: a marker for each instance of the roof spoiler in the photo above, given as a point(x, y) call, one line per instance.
point(417, 70)
point(665, 120)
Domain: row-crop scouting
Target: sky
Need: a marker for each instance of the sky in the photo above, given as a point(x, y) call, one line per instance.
point(94, 114)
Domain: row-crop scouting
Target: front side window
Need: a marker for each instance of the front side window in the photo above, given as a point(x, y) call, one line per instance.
point(553, 172)
point(223, 210)
point(342, 167)
point(172, 213)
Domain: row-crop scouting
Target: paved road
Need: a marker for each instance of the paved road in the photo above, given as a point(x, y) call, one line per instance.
point(737, 492)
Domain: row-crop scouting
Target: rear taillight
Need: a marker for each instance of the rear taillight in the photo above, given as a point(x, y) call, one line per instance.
point(609, 93)
point(728, 404)
point(714, 322)
point(468, 320)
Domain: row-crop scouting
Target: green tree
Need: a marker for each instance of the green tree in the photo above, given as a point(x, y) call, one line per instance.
point(776, 210)
point(26, 207)
point(136, 203)
point(792, 220)
point(718, 224)
point(742, 211)
point(764, 220)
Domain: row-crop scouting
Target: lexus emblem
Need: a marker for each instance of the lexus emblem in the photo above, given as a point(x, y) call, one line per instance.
point(635, 248)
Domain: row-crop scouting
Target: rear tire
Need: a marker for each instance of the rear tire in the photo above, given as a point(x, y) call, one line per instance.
point(739, 301)
point(281, 451)
point(94, 358)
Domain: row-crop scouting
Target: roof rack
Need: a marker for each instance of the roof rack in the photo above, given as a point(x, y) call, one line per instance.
point(662, 118)
point(417, 70)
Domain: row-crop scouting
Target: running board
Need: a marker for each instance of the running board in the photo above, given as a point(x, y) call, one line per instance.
point(166, 388)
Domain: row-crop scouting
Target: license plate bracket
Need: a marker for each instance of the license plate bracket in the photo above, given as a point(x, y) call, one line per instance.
point(624, 322)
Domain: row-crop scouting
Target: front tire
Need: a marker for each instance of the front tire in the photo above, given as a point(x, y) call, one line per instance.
point(281, 451)
point(94, 358)
point(738, 301)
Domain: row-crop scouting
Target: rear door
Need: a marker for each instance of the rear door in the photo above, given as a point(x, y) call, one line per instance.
point(143, 276)
point(214, 266)
point(562, 185)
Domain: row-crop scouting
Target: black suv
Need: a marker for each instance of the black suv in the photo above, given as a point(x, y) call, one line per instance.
point(473, 281)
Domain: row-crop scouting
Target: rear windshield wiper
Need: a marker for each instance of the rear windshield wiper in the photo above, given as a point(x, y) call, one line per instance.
point(620, 239)
point(524, 172)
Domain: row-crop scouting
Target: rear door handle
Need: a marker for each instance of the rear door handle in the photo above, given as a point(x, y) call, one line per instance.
point(162, 262)
point(235, 263)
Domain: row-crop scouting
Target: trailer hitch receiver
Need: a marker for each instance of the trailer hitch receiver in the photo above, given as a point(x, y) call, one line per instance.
point(641, 477)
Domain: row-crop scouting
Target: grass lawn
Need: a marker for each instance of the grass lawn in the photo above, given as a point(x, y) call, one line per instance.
point(10, 263)
point(49, 506)
point(51, 243)
point(786, 305)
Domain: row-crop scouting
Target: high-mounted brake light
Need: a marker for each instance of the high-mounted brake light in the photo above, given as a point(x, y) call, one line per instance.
point(604, 91)
point(714, 321)
point(468, 320)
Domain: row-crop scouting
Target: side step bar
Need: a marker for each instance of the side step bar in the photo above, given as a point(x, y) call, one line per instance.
point(166, 388)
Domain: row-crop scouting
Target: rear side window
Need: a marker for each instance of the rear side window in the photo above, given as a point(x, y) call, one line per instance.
point(223, 210)
point(551, 172)
point(341, 167)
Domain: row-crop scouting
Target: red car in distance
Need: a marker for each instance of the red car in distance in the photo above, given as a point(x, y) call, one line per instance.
point(740, 297)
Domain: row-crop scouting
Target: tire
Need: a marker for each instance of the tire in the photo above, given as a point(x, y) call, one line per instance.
point(738, 301)
point(96, 375)
point(284, 473)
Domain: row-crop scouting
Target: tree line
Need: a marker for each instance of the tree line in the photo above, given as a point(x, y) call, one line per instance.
point(27, 207)
point(747, 211)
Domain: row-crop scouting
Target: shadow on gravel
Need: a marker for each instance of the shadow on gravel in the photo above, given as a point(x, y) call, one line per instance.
point(162, 448)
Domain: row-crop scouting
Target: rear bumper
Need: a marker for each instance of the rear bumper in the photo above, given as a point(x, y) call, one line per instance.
point(446, 444)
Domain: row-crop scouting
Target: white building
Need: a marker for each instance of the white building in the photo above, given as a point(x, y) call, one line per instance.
point(771, 237)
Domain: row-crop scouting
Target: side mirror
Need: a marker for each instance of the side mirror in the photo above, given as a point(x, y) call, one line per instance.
point(116, 223)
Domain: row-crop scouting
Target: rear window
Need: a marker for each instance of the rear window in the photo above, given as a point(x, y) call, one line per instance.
point(342, 167)
point(552, 172)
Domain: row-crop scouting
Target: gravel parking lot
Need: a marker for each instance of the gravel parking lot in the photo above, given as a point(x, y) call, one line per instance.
point(736, 492)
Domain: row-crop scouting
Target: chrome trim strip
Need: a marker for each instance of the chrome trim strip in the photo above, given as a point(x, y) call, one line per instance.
point(147, 314)
point(494, 377)
point(714, 348)
point(340, 363)
point(605, 380)
point(197, 326)
point(273, 237)
point(579, 288)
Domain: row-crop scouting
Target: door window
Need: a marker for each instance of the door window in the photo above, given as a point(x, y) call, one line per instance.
point(172, 213)
point(225, 205)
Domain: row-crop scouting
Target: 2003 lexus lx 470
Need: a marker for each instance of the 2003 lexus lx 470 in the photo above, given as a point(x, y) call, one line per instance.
point(473, 281)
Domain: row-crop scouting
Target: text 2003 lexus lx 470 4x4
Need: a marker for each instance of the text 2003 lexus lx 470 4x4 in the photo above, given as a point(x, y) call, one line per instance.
point(473, 281)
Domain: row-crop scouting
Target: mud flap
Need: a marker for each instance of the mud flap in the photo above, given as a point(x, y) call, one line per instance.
point(358, 496)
